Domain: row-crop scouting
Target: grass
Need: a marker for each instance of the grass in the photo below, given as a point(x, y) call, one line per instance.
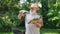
point(50, 31)
point(6, 33)
point(43, 31)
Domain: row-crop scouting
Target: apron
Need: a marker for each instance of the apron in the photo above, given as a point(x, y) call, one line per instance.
point(31, 28)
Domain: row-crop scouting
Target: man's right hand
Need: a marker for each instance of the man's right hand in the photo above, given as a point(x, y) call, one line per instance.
point(20, 15)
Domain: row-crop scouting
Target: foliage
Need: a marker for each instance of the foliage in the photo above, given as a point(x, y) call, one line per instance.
point(51, 14)
point(9, 10)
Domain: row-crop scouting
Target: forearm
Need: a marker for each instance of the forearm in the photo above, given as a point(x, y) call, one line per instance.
point(38, 25)
point(19, 17)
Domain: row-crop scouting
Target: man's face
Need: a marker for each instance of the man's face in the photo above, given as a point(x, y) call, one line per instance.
point(33, 9)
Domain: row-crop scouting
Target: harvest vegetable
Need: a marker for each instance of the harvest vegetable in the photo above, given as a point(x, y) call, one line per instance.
point(35, 20)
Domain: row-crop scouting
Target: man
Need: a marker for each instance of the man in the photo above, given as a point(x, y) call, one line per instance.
point(35, 27)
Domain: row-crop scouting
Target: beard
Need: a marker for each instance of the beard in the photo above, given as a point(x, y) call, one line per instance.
point(32, 12)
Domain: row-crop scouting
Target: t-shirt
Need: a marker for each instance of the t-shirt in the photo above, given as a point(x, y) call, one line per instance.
point(31, 28)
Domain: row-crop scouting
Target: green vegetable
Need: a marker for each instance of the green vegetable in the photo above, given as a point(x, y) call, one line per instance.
point(36, 19)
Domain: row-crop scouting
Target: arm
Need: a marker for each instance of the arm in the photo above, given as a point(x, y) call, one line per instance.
point(40, 22)
point(20, 15)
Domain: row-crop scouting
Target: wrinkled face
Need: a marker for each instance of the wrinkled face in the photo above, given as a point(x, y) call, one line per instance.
point(33, 9)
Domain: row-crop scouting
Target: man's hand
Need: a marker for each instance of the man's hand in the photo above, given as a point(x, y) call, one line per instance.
point(20, 15)
point(39, 23)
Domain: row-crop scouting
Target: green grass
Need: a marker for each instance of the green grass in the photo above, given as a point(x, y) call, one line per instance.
point(6, 33)
point(50, 31)
point(43, 31)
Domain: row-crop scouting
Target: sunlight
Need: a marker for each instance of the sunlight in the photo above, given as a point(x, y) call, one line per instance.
point(51, 33)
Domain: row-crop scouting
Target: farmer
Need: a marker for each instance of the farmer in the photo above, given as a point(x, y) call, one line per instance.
point(33, 28)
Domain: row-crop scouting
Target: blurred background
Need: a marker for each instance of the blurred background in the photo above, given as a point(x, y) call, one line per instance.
point(9, 10)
